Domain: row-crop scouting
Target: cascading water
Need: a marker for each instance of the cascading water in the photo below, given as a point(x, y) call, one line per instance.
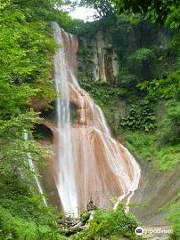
point(33, 169)
point(91, 164)
point(66, 179)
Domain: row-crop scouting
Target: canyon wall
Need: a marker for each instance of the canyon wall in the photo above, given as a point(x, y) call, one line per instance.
point(103, 62)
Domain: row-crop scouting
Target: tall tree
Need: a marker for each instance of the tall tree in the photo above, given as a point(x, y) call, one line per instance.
point(159, 11)
point(103, 7)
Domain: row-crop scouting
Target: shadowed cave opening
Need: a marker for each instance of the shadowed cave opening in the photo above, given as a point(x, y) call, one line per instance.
point(41, 133)
point(73, 112)
point(50, 113)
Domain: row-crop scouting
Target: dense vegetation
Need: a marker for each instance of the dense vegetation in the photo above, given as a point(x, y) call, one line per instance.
point(26, 47)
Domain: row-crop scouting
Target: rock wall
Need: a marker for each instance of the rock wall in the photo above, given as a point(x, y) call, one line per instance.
point(104, 60)
point(155, 190)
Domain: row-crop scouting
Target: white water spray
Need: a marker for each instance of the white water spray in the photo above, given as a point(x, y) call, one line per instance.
point(66, 179)
point(34, 170)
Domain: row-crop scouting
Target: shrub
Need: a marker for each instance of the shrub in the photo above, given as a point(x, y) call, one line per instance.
point(139, 116)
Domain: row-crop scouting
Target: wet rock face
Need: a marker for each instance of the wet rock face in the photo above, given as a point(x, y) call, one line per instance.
point(105, 60)
point(99, 175)
point(39, 104)
point(156, 189)
point(102, 62)
point(45, 134)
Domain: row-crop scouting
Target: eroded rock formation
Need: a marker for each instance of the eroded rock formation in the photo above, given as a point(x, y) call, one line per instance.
point(103, 61)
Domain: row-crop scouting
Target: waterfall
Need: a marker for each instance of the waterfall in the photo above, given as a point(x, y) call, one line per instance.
point(66, 183)
point(33, 169)
point(91, 163)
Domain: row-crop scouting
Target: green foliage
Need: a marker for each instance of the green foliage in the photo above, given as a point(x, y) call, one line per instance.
point(13, 147)
point(167, 87)
point(65, 21)
point(16, 179)
point(17, 101)
point(25, 53)
point(103, 7)
point(174, 217)
point(85, 64)
point(26, 47)
point(157, 11)
point(127, 81)
point(145, 146)
point(140, 116)
point(110, 224)
point(103, 92)
point(169, 126)
point(162, 144)
point(141, 144)
point(174, 46)
point(143, 54)
point(167, 157)
point(106, 96)
point(143, 63)
point(16, 228)
point(87, 30)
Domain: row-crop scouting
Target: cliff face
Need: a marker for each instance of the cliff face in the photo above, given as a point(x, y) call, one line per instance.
point(122, 52)
point(156, 189)
point(103, 61)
